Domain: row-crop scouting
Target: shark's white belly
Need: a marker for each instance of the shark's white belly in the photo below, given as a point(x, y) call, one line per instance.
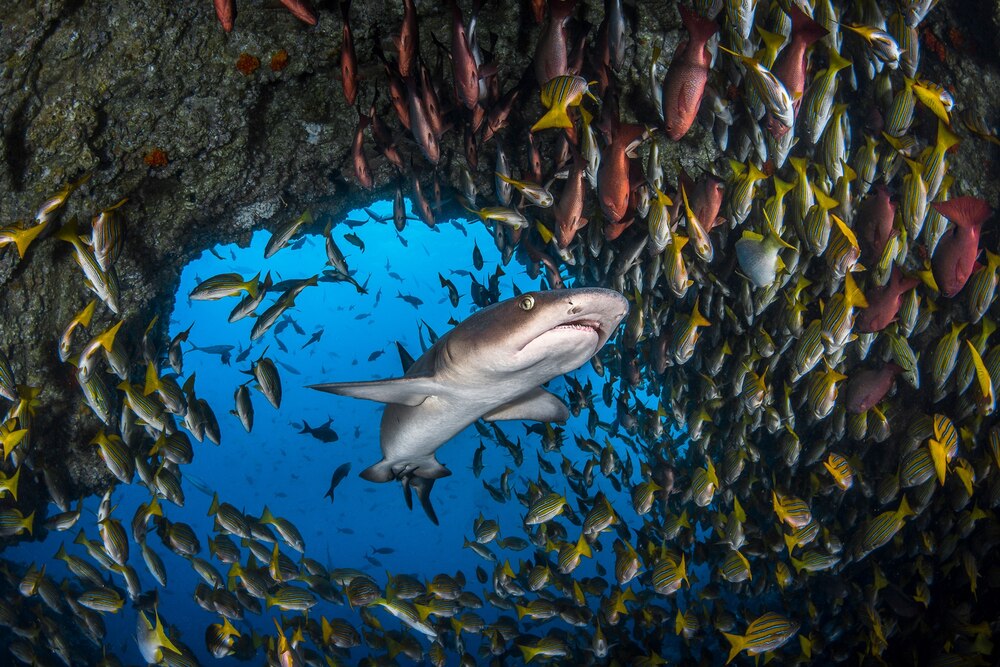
point(411, 434)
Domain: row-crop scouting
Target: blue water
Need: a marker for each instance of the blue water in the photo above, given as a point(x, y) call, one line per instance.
point(289, 472)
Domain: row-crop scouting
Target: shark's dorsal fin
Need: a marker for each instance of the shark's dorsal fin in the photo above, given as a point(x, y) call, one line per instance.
point(410, 391)
point(535, 405)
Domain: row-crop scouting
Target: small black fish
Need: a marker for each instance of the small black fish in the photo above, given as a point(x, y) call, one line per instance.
point(376, 217)
point(383, 551)
point(452, 290)
point(375, 355)
point(313, 339)
point(477, 257)
point(322, 433)
point(355, 240)
point(338, 476)
point(289, 368)
point(410, 299)
point(224, 351)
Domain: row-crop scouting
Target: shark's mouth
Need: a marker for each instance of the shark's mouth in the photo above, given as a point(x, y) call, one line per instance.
point(581, 325)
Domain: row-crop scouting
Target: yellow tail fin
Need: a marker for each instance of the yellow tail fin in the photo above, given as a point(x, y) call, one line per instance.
point(554, 117)
point(737, 643)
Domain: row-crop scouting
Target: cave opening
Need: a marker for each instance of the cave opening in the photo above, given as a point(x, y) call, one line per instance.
point(338, 330)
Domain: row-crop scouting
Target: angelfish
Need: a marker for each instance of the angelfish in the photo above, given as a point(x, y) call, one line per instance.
point(490, 366)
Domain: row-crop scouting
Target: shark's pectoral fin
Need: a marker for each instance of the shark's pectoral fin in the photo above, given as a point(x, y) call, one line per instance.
point(535, 405)
point(379, 472)
point(410, 391)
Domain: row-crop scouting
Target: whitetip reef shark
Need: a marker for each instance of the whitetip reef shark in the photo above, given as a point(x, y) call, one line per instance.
point(490, 366)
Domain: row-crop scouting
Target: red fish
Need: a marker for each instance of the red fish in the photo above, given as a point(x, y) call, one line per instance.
point(684, 84)
point(537, 255)
point(551, 58)
point(955, 256)
point(361, 169)
point(499, 113)
point(613, 184)
point(534, 171)
point(790, 67)
point(705, 198)
point(421, 206)
point(471, 149)
point(397, 90)
point(568, 211)
point(300, 10)
point(613, 230)
point(463, 62)
point(420, 124)
point(432, 105)
point(867, 387)
point(873, 224)
point(408, 42)
point(348, 58)
point(884, 302)
point(383, 139)
point(226, 11)
point(537, 10)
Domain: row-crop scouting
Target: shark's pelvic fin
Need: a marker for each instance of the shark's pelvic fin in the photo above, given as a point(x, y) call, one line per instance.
point(534, 405)
point(427, 468)
point(410, 391)
point(380, 472)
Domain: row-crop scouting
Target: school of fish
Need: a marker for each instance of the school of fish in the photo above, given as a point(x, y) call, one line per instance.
point(811, 316)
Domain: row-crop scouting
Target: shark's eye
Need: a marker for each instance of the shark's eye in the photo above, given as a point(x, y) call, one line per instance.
point(526, 302)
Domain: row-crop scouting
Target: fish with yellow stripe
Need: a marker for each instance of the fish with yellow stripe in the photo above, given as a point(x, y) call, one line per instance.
point(767, 632)
point(558, 95)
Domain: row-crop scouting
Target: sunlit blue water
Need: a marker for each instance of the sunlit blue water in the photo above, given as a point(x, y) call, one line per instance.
point(289, 472)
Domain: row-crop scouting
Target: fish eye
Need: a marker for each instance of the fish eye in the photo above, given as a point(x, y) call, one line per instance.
point(526, 302)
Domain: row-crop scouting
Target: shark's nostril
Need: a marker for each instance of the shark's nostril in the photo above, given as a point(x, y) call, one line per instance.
point(574, 310)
